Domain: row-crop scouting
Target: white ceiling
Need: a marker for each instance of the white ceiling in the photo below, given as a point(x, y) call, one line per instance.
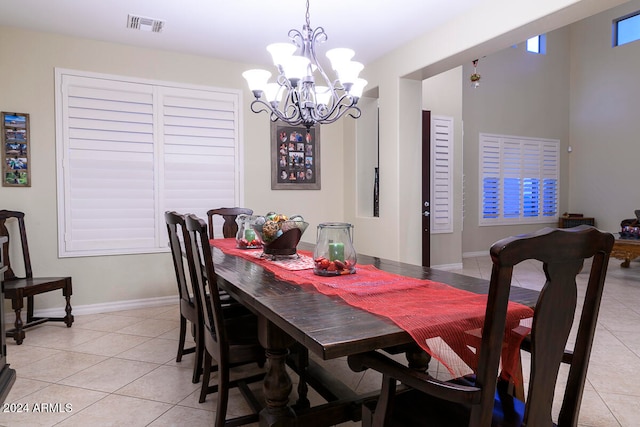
point(238, 30)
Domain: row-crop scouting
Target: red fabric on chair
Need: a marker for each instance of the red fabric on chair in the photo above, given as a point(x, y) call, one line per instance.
point(427, 310)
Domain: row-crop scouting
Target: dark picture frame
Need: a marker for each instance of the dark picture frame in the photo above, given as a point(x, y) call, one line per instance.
point(295, 157)
point(16, 149)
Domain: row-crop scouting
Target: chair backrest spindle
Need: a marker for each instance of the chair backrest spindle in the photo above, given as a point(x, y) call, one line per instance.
point(205, 281)
point(229, 227)
point(26, 258)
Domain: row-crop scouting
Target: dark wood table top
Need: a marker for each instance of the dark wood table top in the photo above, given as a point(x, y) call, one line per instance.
point(327, 325)
point(626, 241)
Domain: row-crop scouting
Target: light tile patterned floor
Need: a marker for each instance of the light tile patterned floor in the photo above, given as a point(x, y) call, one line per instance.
point(119, 369)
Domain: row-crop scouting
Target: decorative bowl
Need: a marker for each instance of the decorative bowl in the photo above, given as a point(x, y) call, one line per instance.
point(280, 237)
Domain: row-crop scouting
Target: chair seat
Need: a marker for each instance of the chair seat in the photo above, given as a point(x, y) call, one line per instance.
point(17, 288)
point(483, 400)
point(411, 406)
point(36, 285)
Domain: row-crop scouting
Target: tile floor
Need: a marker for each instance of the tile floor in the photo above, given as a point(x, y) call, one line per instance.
point(119, 369)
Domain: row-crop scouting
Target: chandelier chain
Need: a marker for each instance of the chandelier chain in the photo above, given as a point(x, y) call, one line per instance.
point(307, 16)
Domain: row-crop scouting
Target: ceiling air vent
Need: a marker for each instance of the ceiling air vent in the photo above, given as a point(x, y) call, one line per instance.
point(145, 24)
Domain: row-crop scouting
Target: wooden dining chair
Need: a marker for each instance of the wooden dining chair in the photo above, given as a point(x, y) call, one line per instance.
point(481, 400)
point(188, 307)
point(229, 227)
point(229, 337)
point(18, 288)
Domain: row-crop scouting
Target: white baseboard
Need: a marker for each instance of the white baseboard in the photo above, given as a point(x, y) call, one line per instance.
point(456, 266)
point(95, 308)
point(474, 254)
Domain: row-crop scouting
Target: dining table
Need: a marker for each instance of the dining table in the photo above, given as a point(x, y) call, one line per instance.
point(291, 315)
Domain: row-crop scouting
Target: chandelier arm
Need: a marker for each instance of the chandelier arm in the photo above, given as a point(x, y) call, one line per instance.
point(296, 38)
point(318, 36)
point(355, 112)
point(278, 115)
point(258, 106)
point(339, 107)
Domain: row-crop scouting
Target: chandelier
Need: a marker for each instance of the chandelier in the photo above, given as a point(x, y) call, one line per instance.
point(294, 98)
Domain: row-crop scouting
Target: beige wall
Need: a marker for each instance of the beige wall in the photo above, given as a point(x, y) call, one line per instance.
point(27, 86)
point(583, 92)
point(27, 70)
point(604, 127)
point(493, 26)
point(442, 95)
point(522, 94)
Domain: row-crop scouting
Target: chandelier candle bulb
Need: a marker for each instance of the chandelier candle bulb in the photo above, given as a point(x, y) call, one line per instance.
point(295, 68)
point(273, 93)
point(357, 88)
point(339, 56)
point(280, 52)
point(257, 80)
point(348, 73)
point(323, 95)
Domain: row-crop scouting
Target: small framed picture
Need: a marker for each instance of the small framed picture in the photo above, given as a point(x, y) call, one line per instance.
point(16, 150)
point(295, 157)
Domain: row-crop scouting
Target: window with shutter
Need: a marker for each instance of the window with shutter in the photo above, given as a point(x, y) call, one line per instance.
point(441, 174)
point(128, 150)
point(518, 179)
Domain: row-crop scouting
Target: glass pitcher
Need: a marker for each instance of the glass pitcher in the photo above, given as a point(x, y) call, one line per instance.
point(334, 253)
point(247, 238)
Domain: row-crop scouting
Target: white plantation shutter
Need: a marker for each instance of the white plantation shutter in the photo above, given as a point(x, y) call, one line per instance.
point(130, 150)
point(441, 174)
point(200, 151)
point(511, 165)
point(490, 171)
point(519, 179)
point(550, 175)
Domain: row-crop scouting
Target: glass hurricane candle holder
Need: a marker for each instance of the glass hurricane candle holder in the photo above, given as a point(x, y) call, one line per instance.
point(247, 238)
point(334, 253)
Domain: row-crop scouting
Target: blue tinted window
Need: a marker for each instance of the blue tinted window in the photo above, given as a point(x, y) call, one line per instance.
point(511, 198)
point(549, 197)
point(627, 30)
point(491, 198)
point(537, 44)
point(531, 197)
point(519, 179)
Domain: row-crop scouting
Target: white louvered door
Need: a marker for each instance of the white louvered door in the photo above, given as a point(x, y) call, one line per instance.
point(441, 174)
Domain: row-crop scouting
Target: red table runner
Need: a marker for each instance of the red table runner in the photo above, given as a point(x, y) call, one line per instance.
point(443, 320)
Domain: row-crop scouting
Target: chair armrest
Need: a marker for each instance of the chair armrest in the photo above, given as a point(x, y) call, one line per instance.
point(418, 380)
point(567, 356)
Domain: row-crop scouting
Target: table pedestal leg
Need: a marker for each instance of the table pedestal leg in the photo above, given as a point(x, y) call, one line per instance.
point(277, 383)
point(418, 359)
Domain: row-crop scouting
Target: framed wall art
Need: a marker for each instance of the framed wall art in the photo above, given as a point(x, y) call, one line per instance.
point(295, 157)
point(16, 150)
